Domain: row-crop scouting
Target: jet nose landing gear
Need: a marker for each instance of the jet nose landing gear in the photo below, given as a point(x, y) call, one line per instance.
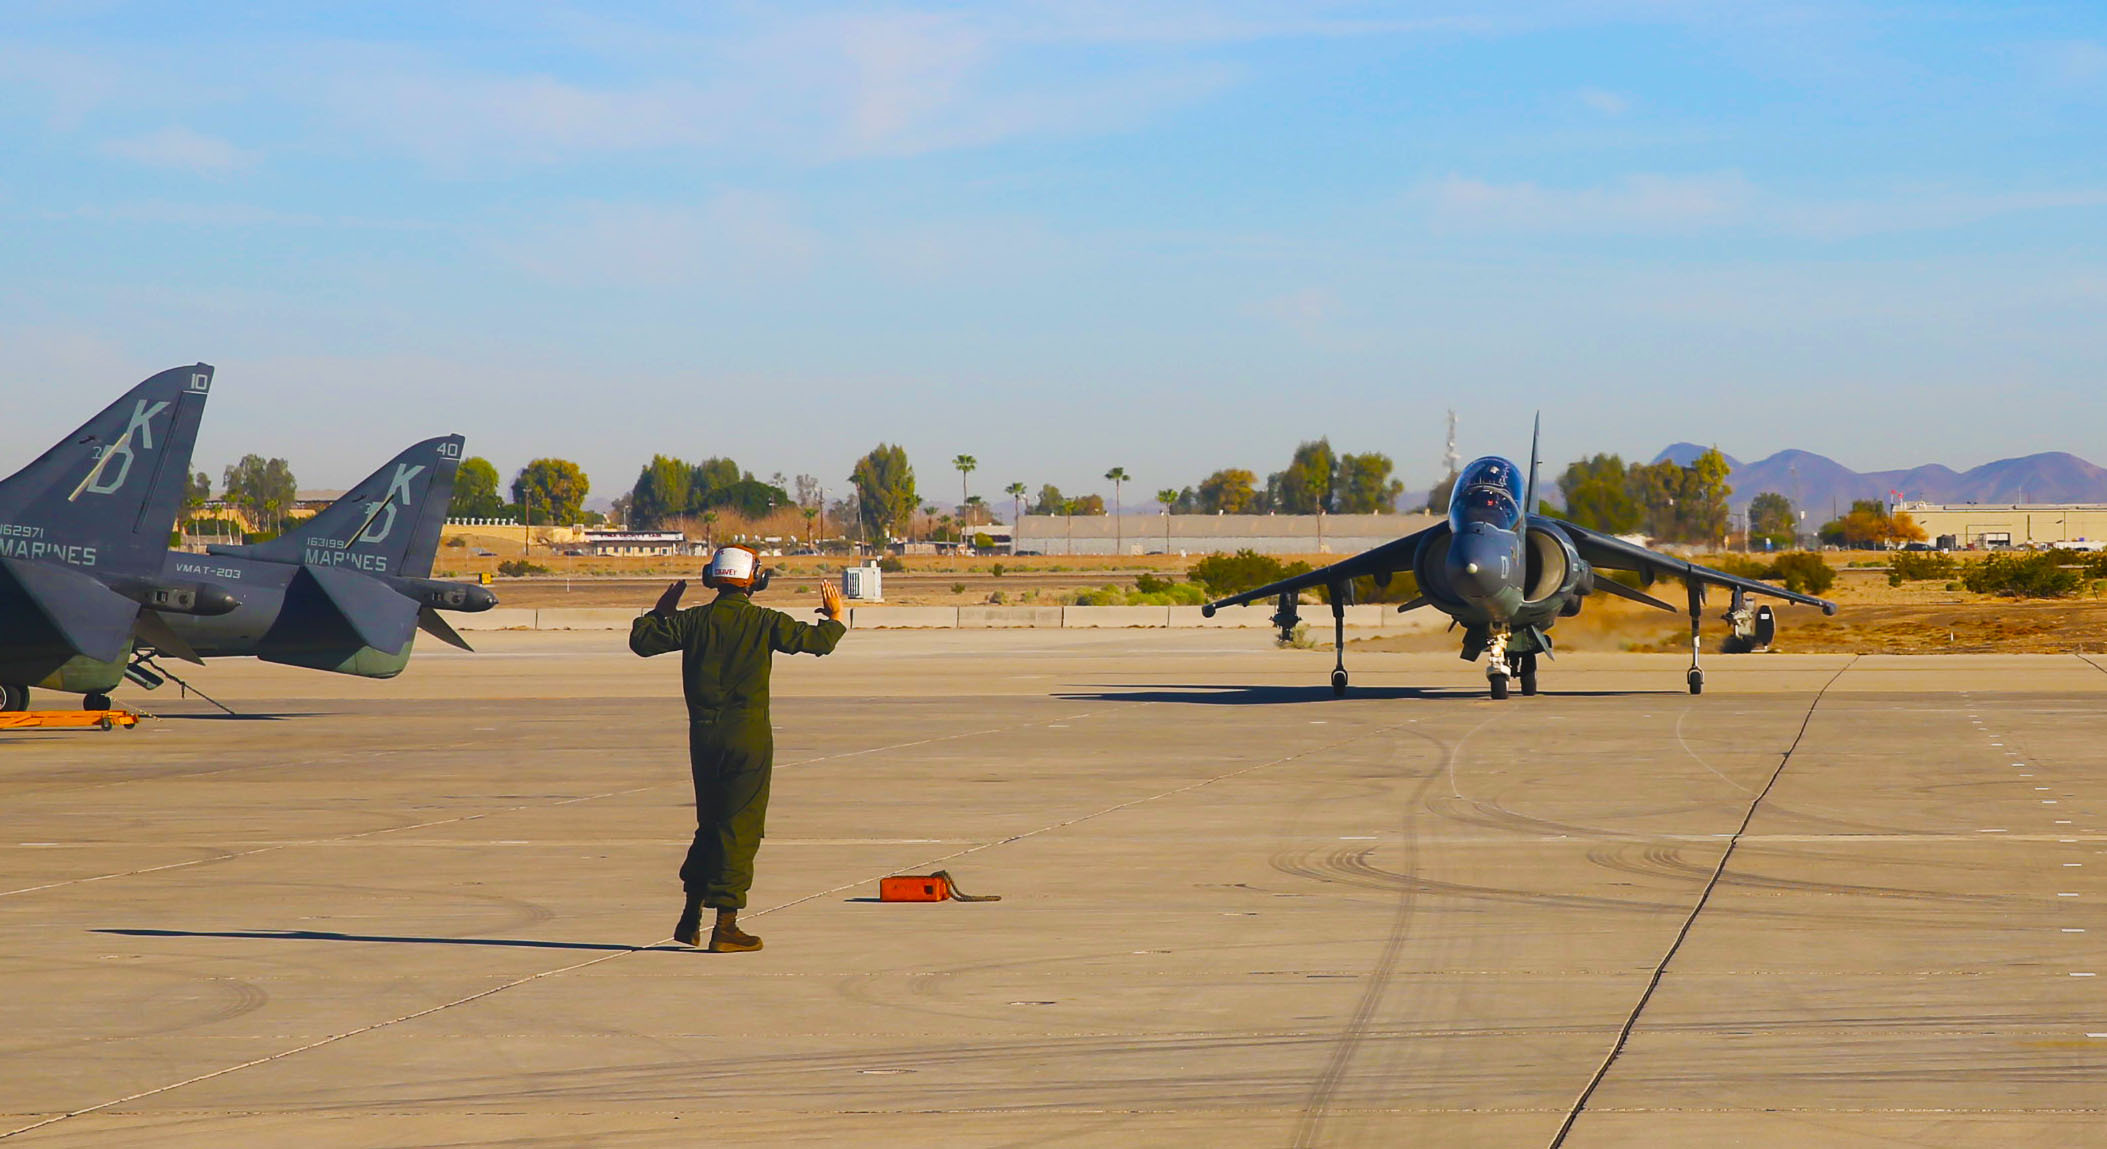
point(1499, 665)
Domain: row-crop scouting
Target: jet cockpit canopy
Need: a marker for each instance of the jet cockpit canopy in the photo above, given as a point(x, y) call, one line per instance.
point(1489, 490)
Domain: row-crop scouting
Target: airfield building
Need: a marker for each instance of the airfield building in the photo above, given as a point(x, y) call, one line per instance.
point(1205, 534)
point(2011, 524)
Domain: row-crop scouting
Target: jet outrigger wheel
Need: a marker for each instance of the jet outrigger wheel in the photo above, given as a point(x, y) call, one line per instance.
point(95, 700)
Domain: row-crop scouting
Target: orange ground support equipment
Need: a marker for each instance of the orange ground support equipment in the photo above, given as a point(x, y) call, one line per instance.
point(914, 888)
point(67, 719)
point(937, 887)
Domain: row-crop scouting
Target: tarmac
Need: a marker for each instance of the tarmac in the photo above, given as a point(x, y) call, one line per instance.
point(1835, 901)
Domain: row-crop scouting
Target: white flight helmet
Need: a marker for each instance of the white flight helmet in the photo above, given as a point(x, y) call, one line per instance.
point(735, 566)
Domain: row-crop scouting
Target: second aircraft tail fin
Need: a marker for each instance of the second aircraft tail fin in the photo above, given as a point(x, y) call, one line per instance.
point(388, 524)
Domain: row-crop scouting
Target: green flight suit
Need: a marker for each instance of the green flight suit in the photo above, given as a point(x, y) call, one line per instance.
point(725, 648)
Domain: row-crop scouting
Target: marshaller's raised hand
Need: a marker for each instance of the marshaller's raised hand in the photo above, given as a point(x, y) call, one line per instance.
point(830, 603)
point(670, 601)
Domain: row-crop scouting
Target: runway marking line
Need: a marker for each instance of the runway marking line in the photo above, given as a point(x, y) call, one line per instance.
point(1660, 970)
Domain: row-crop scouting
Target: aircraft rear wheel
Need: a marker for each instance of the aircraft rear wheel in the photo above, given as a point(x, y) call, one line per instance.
point(1697, 681)
point(1528, 675)
point(95, 700)
point(1499, 685)
point(1338, 684)
point(14, 697)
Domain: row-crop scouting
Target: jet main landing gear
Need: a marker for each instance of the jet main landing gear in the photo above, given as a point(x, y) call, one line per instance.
point(14, 697)
point(1338, 596)
point(1696, 676)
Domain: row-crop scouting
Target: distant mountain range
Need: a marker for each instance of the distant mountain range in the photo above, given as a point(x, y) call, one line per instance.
point(1817, 482)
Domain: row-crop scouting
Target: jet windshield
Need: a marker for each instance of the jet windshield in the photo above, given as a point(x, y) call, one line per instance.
point(1488, 491)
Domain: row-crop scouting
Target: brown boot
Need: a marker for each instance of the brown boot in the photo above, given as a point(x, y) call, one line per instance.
point(728, 938)
point(688, 931)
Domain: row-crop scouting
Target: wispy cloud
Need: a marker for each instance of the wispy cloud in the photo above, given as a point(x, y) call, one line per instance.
point(1650, 204)
point(1606, 102)
point(1311, 313)
point(733, 236)
point(1637, 203)
point(815, 89)
point(179, 148)
point(2074, 63)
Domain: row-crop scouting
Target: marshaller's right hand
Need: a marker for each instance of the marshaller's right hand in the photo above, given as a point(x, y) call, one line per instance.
point(670, 601)
point(830, 603)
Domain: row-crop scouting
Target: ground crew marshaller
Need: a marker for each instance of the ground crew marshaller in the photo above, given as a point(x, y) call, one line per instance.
point(725, 650)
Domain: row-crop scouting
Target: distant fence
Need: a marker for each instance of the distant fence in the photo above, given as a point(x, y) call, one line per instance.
point(1318, 617)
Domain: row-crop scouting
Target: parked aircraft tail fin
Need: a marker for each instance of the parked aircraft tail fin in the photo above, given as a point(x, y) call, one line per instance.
point(388, 524)
point(105, 498)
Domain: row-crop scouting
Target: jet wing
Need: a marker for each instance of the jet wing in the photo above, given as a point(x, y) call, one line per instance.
point(1613, 553)
point(1396, 555)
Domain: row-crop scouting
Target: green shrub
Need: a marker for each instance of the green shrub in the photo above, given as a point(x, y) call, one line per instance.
point(891, 564)
point(1742, 566)
point(1802, 572)
point(2023, 576)
point(958, 588)
point(514, 568)
point(996, 570)
point(1246, 569)
point(457, 541)
point(1172, 594)
point(1404, 587)
point(1920, 566)
point(1150, 584)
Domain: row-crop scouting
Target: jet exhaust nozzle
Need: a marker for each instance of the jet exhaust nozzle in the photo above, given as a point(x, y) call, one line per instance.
point(443, 594)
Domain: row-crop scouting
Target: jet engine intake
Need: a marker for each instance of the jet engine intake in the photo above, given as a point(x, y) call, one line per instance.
point(1552, 566)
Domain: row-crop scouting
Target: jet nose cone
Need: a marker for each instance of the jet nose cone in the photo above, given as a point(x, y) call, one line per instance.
point(1476, 566)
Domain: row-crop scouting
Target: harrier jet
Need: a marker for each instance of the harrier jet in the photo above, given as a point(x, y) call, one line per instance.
point(83, 530)
point(346, 590)
point(1506, 575)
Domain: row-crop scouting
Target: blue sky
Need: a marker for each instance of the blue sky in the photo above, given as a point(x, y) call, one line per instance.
point(1061, 236)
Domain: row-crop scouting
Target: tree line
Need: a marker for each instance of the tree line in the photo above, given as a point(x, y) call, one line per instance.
point(1665, 501)
point(1673, 502)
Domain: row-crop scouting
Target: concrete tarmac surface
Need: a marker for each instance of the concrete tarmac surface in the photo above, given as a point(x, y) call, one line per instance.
point(1835, 901)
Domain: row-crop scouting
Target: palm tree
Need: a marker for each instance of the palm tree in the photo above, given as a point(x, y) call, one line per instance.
point(811, 536)
point(1168, 496)
point(1016, 493)
point(966, 464)
point(709, 528)
point(1118, 475)
point(975, 507)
